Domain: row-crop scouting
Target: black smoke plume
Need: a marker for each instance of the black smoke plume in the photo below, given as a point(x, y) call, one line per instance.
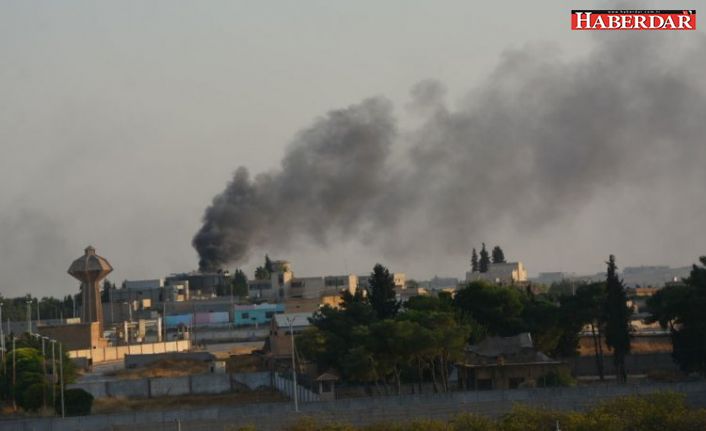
point(538, 139)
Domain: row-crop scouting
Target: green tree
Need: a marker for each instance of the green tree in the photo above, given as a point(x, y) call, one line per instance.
point(78, 402)
point(268, 264)
point(23, 379)
point(105, 291)
point(617, 315)
point(381, 292)
point(497, 308)
point(589, 308)
point(571, 317)
point(498, 255)
point(261, 273)
point(474, 261)
point(484, 261)
point(240, 283)
point(680, 307)
point(542, 319)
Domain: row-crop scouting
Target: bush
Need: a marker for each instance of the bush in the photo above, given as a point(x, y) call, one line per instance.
point(561, 377)
point(471, 422)
point(77, 402)
point(656, 412)
point(310, 424)
point(32, 398)
point(525, 418)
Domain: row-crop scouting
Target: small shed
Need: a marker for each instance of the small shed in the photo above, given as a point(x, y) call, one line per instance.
point(505, 363)
point(327, 385)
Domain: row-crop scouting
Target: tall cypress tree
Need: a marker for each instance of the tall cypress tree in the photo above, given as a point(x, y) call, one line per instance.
point(484, 260)
point(617, 315)
point(498, 255)
point(268, 264)
point(474, 261)
point(381, 293)
point(680, 307)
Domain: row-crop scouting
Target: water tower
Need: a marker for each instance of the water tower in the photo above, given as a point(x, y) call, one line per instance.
point(90, 269)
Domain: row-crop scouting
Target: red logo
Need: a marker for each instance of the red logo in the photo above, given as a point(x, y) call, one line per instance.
point(633, 19)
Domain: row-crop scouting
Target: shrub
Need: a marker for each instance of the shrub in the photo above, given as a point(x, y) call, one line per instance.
point(309, 424)
point(32, 398)
point(561, 377)
point(524, 418)
point(471, 422)
point(77, 402)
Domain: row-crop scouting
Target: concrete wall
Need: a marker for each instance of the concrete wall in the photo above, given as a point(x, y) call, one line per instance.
point(117, 353)
point(147, 388)
point(76, 336)
point(135, 361)
point(170, 386)
point(357, 411)
point(254, 380)
point(635, 364)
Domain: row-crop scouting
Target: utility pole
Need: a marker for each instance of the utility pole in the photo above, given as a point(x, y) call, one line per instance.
point(53, 372)
point(290, 320)
point(29, 315)
point(14, 374)
point(44, 368)
point(232, 306)
point(110, 300)
point(2, 340)
point(61, 377)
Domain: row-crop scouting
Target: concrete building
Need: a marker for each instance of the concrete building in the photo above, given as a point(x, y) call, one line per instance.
point(76, 336)
point(501, 273)
point(202, 285)
point(307, 287)
point(283, 285)
point(339, 283)
point(279, 342)
point(505, 363)
point(141, 294)
point(256, 314)
point(653, 276)
point(400, 280)
point(276, 288)
point(552, 277)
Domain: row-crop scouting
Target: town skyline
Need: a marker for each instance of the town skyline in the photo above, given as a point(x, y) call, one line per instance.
point(102, 146)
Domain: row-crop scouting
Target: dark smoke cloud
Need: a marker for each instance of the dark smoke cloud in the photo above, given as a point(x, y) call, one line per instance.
point(328, 177)
point(538, 140)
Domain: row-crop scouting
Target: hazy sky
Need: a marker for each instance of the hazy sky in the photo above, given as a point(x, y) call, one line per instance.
point(121, 120)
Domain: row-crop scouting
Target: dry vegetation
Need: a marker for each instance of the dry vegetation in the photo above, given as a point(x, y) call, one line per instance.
point(245, 364)
point(163, 368)
point(639, 344)
point(121, 404)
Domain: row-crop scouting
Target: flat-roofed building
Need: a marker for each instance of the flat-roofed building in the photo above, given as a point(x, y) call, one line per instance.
point(501, 273)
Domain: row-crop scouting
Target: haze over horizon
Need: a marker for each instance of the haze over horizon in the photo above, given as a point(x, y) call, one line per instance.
point(119, 123)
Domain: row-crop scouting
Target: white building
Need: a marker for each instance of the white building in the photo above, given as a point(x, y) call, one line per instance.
point(400, 280)
point(501, 273)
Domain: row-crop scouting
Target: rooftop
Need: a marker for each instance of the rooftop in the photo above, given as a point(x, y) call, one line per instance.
point(297, 319)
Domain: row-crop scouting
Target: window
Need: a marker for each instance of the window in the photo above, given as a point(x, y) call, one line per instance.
point(269, 314)
point(246, 315)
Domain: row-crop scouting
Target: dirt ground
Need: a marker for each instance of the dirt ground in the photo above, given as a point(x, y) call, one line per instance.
point(164, 368)
point(120, 404)
point(639, 344)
